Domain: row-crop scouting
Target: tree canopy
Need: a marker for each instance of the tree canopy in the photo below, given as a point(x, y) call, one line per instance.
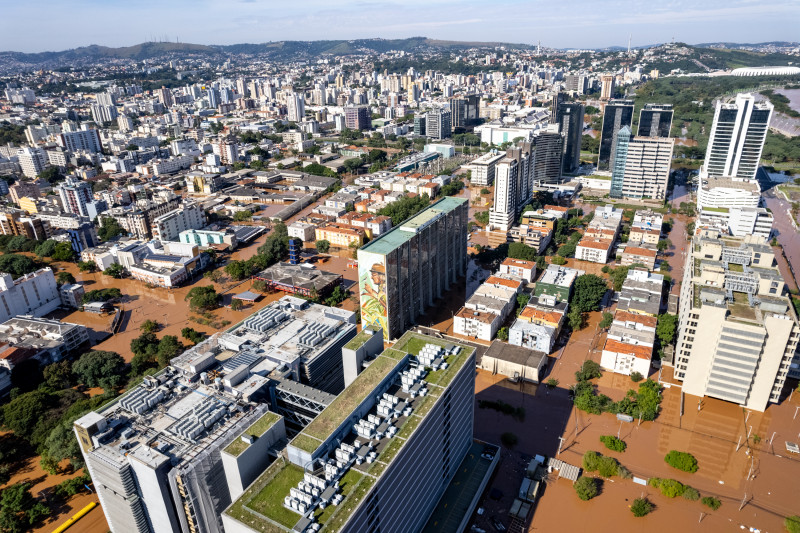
point(100, 369)
point(588, 293)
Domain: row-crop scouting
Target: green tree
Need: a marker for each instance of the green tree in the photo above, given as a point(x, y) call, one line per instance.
point(87, 266)
point(670, 488)
point(242, 216)
point(238, 270)
point(193, 335)
point(59, 375)
point(681, 460)
point(404, 208)
point(322, 246)
point(636, 376)
point(16, 265)
point(24, 413)
point(641, 507)
point(483, 218)
point(149, 326)
point(575, 319)
point(792, 524)
point(588, 292)
point(502, 333)
point(589, 370)
point(519, 250)
point(100, 369)
point(168, 347)
point(558, 260)
point(666, 328)
point(607, 320)
point(46, 248)
point(203, 298)
point(586, 488)
point(19, 509)
point(63, 252)
point(613, 443)
point(690, 493)
point(110, 228)
point(663, 244)
point(713, 503)
point(237, 305)
point(115, 270)
point(353, 164)
point(65, 278)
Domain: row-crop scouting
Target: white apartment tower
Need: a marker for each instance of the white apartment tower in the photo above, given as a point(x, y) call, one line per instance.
point(504, 211)
point(737, 137)
point(737, 331)
point(296, 107)
point(32, 161)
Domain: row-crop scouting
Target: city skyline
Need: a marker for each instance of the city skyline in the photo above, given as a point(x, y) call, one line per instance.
point(250, 21)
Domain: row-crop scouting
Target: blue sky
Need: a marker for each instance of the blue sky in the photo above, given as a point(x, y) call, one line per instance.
point(42, 25)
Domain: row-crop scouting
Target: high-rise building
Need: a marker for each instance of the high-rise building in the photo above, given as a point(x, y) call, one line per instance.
point(655, 120)
point(165, 96)
point(641, 166)
point(575, 83)
point(737, 137)
point(737, 330)
point(419, 125)
point(458, 109)
point(483, 168)
point(607, 87)
point(618, 114)
point(570, 125)
point(410, 460)
point(75, 196)
point(213, 97)
point(85, 139)
point(547, 162)
point(503, 212)
point(296, 107)
point(32, 161)
point(357, 117)
point(439, 124)
point(555, 107)
point(106, 99)
point(403, 271)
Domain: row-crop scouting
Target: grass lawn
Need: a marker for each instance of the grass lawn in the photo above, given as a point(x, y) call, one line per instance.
point(269, 501)
point(258, 428)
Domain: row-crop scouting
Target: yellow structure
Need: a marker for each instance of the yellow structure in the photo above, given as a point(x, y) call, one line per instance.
point(341, 235)
point(28, 204)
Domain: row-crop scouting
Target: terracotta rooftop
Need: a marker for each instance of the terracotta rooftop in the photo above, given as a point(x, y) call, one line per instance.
point(496, 280)
point(595, 243)
point(471, 314)
point(533, 314)
point(645, 320)
point(638, 351)
point(519, 263)
point(644, 252)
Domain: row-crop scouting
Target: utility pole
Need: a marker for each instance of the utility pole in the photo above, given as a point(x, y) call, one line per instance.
point(743, 500)
point(739, 444)
point(560, 442)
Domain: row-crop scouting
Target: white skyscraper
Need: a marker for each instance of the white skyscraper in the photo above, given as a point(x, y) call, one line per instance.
point(737, 137)
point(296, 107)
point(32, 161)
point(504, 211)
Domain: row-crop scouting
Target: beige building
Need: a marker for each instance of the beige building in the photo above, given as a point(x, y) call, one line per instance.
point(738, 332)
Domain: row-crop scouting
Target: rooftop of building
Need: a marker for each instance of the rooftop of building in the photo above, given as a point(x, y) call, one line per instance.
point(303, 275)
point(515, 354)
point(261, 506)
point(726, 182)
point(255, 430)
point(362, 337)
point(637, 350)
point(559, 275)
point(287, 330)
point(405, 231)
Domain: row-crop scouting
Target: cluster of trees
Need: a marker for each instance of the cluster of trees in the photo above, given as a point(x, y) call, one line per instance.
point(275, 248)
point(16, 265)
point(101, 295)
point(203, 299)
point(641, 507)
point(320, 170)
point(643, 404)
point(110, 228)
point(405, 208)
point(603, 465)
point(152, 354)
point(192, 335)
point(672, 488)
point(587, 294)
point(452, 188)
point(19, 510)
point(586, 488)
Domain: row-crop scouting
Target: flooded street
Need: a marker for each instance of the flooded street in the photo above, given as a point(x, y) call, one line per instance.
point(786, 234)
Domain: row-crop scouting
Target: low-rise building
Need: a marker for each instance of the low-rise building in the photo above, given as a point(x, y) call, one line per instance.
point(629, 344)
point(514, 362)
point(46, 340)
point(557, 281)
point(302, 231)
point(340, 235)
point(644, 255)
point(538, 325)
point(487, 308)
point(518, 268)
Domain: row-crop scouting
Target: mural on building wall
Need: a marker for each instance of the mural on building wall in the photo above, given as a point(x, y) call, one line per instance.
point(372, 287)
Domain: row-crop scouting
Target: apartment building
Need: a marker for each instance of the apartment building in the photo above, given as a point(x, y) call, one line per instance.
point(483, 169)
point(738, 332)
point(727, 192)
point(402, 272)
point(340, 235)
point(644, 255)
point(557, 281)
point(629, 344)
point(539, 324)
point(44, 339)
point(32, 294)
point(169, 226)
point(641, 166)
point(487, 308)
point(518, 268)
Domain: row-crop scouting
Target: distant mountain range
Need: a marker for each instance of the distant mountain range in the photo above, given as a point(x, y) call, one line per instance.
point(286, 50)
point(278, 49)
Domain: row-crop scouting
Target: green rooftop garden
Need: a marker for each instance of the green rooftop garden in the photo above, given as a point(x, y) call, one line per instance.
point(343, 511)
point(733, 267)
point(269, 500)
point(356, 342)
point(717, 209)
point(348, 482)
point(257, 429)
point(306, 442)
point(238, 509)
point(344, 404)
